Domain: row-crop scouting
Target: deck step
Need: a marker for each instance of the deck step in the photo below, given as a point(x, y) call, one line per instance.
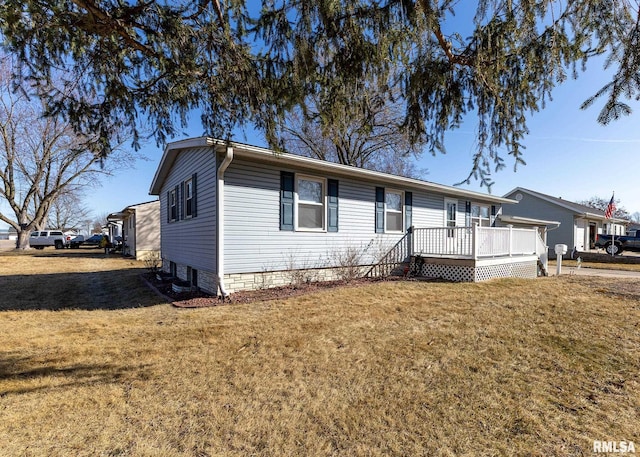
point(542, 271)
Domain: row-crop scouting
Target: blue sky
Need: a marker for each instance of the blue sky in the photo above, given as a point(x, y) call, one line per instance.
point(568, 155)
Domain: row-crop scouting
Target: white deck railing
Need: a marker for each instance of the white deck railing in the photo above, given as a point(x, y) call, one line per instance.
point(476, 242)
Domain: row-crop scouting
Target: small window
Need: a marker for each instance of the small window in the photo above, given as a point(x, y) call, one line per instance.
point(43, 234)
point(393, 211)
point(173, 207)
point(192, 276)
point(480, 215)
point(188, 198)
point(173, 269)
point(310, 203)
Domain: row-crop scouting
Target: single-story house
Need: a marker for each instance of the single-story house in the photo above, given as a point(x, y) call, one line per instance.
point(9, 233)
point(578, 225)
point(140, 226)
point(235, 216)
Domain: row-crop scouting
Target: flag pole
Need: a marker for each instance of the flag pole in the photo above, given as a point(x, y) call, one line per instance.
point(613, 229)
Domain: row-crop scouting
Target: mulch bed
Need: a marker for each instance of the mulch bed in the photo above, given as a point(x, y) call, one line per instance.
point(199, 299)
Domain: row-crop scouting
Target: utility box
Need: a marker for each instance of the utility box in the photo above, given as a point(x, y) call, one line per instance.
point(561, 249)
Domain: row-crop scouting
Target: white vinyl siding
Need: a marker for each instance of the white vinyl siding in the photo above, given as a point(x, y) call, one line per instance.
point(192, 241)
point(255, 243)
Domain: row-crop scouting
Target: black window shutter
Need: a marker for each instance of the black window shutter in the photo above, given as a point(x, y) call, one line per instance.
point(408, 209)
point(194, 195)
point(379, 210)
point(286, 200)
point(332, 193)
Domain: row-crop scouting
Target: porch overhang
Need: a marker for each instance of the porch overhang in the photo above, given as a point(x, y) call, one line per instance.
point(119, 216)
point(528, 221)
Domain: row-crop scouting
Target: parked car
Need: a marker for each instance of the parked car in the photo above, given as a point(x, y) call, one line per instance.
point(94, 240)
point(40, 239)
point(75, 242)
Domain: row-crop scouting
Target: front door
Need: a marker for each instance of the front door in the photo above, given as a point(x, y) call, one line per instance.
point(450, 218)
point(593, 229)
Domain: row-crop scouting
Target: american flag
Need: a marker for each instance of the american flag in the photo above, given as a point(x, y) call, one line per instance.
point(611, 208)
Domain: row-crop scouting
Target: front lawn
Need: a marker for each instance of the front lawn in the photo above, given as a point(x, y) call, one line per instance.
point(509, 367)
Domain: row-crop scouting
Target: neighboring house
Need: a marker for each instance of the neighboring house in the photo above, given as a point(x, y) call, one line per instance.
point(140, 226)
point(9, 234)
point(235, 217)
point(578, 225)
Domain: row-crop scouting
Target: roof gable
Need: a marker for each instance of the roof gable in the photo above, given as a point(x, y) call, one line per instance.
point(576, 208)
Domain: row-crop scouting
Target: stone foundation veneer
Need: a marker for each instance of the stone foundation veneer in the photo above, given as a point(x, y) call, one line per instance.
point(456, 270)
point(235, 282)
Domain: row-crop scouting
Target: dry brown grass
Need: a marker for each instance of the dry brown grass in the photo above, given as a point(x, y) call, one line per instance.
point(71, 279)
point(509, 367)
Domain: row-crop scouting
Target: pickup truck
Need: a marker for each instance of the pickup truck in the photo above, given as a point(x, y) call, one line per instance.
point(628, 242)
point(42, 238)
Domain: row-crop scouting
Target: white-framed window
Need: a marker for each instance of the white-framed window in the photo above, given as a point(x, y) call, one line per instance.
point(310, 203)
point(173, 205)
point(480, 214)
point(394, 214)
point(450, 216)
point(188, 198)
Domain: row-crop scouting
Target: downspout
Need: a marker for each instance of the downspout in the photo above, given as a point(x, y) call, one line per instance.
point(220, 219)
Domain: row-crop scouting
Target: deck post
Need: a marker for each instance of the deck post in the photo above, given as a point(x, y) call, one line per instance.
point(410, 242)
point(474, 241)
point(510, 240)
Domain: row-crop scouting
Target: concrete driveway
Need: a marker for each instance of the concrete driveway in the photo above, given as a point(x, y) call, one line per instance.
point(597, 272)
point(7, 245)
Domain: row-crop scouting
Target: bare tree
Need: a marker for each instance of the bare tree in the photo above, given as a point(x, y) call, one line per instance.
point(68, 212)
point(601, 204)
point(99, 222)
point(368, 132)
point(41, 158)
